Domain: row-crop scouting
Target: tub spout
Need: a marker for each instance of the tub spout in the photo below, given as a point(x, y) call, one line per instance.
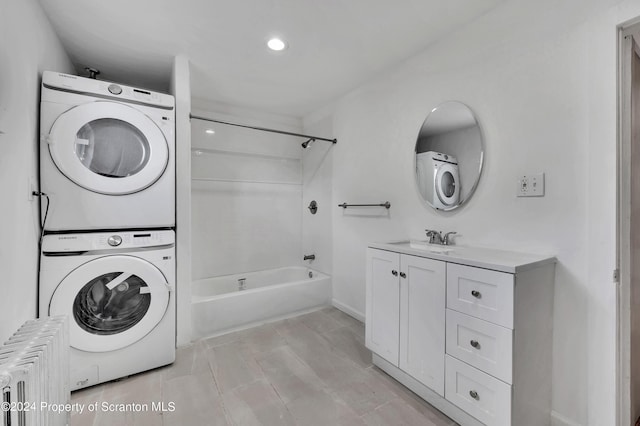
point(309, 257)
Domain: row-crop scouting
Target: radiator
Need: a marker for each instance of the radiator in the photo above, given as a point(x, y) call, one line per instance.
point(34, 375)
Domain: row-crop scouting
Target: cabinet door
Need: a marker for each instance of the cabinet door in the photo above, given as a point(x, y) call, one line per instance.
point(383, 304)
point(422, 320)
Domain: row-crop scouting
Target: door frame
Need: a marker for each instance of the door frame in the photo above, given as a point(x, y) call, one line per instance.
point(623, 225)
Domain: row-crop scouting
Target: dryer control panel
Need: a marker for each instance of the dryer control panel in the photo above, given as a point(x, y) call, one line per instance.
point(115, 240)
point(105, 89)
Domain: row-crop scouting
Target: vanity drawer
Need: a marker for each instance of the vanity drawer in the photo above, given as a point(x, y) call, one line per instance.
point(482, 396)
point(481, 293)
point(482, 344)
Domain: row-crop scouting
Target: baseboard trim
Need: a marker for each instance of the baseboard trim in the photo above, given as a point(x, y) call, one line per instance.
point(348, 310)
point(560, 420)
point(425, 393)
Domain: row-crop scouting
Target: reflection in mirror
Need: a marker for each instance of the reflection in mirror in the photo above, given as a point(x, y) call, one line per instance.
point(449, 156)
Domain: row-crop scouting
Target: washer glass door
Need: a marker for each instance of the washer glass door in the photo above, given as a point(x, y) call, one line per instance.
point(447, 186)
point(112, 302)
point(108, 147)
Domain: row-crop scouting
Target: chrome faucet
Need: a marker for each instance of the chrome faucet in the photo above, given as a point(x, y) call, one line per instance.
point(435, 237)
point(309, 257)
point(446, 240)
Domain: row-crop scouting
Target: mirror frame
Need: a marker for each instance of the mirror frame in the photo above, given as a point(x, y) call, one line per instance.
point(480, 167)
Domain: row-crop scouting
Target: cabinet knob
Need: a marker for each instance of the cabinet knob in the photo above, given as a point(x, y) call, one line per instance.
point(394, 273)
point(474, 395)
point(476, 294)
point(475, 344)
point(403, 275)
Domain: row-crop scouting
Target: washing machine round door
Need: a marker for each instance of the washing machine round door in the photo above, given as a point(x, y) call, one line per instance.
point(446, 185)
point(108, 148)
point(112, 302)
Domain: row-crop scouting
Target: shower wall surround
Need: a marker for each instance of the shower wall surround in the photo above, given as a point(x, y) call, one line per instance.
point(317, 171)
point(246, 199)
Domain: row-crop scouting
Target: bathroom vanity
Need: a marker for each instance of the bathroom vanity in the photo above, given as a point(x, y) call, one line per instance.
point(467, 329)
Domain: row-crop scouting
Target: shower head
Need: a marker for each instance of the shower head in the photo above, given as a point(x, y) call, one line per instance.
point(307, 143)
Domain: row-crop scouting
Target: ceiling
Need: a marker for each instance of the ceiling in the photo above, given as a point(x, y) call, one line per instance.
point(334, 45)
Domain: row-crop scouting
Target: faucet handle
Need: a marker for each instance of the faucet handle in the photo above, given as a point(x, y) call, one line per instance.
point(435, 237)
point(446, 238)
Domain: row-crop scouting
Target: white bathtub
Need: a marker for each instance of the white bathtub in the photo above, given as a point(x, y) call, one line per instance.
point(218, 305)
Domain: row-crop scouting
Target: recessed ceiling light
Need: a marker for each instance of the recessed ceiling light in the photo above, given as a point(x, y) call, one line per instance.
point(210, 131)
point(277, 44)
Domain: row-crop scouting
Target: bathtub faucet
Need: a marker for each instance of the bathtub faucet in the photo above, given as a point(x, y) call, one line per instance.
point(309, 257)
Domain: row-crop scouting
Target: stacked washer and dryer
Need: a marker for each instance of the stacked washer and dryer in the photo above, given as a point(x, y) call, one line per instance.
point(438, 179)
point(107, 166)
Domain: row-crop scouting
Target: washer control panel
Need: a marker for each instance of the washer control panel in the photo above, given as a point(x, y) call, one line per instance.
point(81, 242)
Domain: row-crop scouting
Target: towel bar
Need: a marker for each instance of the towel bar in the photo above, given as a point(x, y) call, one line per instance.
point(386, 204)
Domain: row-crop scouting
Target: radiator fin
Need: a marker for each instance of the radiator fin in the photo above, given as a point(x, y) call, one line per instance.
point(34, 374)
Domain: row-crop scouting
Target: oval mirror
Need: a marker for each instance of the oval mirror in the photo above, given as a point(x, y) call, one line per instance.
point(449, 154)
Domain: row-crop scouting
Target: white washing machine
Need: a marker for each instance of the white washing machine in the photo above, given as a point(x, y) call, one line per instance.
point(107, 155)
point(438, 179)
point(118, 291)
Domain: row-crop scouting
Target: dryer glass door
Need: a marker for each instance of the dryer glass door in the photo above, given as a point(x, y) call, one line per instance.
point(108, 147)
point(447, 185)
point(112, 302)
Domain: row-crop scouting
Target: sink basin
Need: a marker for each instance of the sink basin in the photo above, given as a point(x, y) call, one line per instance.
point(423, 245)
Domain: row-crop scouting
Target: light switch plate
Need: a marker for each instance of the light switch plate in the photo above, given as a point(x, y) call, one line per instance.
point(530, 185)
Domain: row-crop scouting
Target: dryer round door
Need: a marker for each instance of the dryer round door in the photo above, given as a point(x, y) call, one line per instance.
point(112, 302)
point(446, 183)
point(108, 148)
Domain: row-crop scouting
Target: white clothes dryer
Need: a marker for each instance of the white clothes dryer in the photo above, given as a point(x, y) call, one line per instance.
point(107, 155)
point(118, 291)
point(438, 179)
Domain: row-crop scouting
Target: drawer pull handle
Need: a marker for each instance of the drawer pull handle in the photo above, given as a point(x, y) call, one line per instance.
point(476, 294)
point(394, 273)
point(475, 344)
point(474, 395)
point(403, 275)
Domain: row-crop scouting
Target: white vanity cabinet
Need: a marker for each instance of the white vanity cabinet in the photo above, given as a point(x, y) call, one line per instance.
point(467, 329)
point(406, 314)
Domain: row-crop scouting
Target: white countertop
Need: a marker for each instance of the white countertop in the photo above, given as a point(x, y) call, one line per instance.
point(497, 260)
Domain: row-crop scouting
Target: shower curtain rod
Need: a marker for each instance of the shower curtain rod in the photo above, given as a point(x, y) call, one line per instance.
point(265, 129)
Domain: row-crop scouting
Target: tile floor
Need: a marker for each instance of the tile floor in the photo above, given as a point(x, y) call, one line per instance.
point(308, 370)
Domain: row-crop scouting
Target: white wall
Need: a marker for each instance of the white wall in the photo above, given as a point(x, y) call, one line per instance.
point(541, 77)
point(246, 196)
point(28, 46)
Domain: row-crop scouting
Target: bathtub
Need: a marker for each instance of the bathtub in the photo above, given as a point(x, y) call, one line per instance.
point(232, 302)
